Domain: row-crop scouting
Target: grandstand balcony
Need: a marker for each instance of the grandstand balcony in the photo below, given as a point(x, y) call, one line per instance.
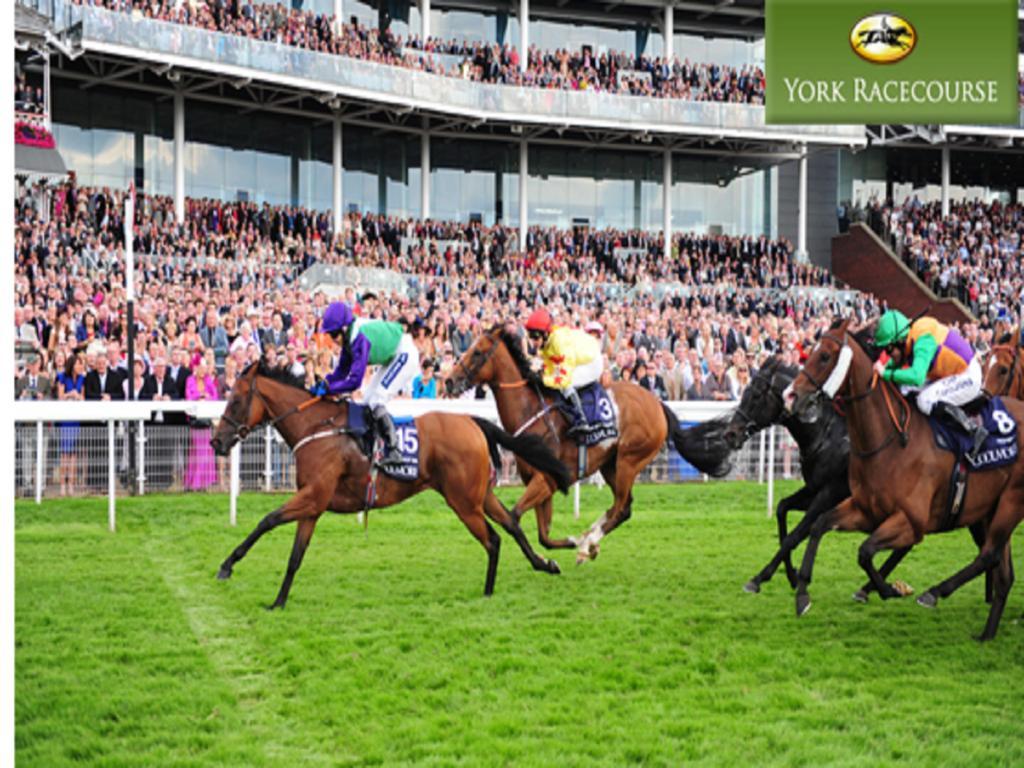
point(240, 58)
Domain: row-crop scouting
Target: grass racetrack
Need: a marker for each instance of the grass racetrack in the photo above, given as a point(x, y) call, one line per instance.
point(129, 652)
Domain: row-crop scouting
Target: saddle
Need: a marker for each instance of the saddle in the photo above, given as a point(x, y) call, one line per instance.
point(361, 424)
point(600, 418)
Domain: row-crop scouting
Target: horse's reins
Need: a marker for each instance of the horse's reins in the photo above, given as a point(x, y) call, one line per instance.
point(244, 430)
point(830, 389)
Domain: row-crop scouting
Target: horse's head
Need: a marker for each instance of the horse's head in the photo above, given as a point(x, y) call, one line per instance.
point(243, 412)
point(477, 364)
point(761, 404)
point(1003, 370)
point(824, 373)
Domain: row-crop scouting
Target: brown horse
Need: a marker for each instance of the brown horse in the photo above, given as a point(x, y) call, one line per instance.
point(1004, 371)
point(332, 472)
point(899, 480)
point(525, 406)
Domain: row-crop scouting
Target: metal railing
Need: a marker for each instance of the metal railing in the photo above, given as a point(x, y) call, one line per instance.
point(67, 448)
point(166, 42)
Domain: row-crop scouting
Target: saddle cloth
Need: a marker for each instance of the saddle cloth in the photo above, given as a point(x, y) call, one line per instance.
point(1000, 447)
point(360, 423)
point(599, 412)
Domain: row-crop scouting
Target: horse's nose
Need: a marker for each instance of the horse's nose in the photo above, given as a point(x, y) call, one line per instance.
point(789, 398)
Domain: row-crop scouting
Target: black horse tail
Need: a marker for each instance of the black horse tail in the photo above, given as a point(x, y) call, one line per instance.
point(530, 448)
point(703, 445)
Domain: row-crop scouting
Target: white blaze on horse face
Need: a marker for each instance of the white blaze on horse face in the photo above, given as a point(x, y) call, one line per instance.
point(839, 373)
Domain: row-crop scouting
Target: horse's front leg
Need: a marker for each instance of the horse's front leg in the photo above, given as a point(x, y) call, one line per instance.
point(894, 533)
point(537, 495)
point(846, 516)
point(303, 533)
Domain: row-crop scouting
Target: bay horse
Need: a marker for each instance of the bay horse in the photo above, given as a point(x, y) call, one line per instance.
point(455, 459)
point(1004, 372)
point(497, 360)
point(899, 479)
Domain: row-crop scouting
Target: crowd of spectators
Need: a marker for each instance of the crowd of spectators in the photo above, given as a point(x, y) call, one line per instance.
point(220, 289)
point(610, 72)
point(28, 100)
point(973, 254)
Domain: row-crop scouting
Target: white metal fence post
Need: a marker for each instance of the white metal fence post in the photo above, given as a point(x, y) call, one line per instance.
point(236, 452)
point(141, 468)
point(771, 469)
point(267, 472)
point(576, 501)
point(39, 462)
point(111, 477)
point(760, 459)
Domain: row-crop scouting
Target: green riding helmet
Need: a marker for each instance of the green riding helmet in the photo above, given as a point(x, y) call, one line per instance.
point(893, 327)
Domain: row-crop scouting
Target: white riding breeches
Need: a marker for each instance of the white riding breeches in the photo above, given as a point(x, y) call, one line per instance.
point(396, 376)
point(587, 373)
point(955, 390)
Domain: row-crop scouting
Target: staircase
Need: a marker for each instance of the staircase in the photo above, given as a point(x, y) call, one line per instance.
point(861, 259)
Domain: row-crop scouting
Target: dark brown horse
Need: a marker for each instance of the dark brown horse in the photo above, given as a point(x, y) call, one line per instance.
point(899, 480)
point(332, 473)
point(525, 406)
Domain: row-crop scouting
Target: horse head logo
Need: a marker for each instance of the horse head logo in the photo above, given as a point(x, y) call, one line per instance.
point(883, 38)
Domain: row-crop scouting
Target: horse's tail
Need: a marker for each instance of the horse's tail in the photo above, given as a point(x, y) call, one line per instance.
point(530, 448)
point(701, 445)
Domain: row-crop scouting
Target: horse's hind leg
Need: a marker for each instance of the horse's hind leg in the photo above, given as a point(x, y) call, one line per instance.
point(473, 519)
point(303, 533)
point(495, 510)
point(1001, 582)
point(861, 595)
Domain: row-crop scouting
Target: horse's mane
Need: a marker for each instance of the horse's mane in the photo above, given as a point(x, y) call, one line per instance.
point(280, 375)
point(515, 349)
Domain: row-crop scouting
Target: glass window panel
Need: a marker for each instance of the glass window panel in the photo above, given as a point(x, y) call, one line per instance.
point(273, 179)
point(113, 158)
point(158, 165)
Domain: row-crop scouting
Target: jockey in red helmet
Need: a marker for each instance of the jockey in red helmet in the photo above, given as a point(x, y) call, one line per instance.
point(572, 358)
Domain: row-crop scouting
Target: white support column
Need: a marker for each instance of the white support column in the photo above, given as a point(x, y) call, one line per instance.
point(268, 472)
point(945, 181)
point(339, 15)
point(669, 29)
point(234, 483)
point(47, 101)
point(666, 201)
point(425, 171)
point(179, 156)
point(524, 175)
point(40, 456)
point(801, 226)
point(524, 34)
point(338, 172)
point(141, 477)
point(111, 478)
point(424, 19)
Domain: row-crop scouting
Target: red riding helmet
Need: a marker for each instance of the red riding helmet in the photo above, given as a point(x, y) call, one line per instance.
point(540, 320)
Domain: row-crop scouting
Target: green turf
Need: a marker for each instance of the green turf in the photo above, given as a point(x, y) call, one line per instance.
point(129, 652)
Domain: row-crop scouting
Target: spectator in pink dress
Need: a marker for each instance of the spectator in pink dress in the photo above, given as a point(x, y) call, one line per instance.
point(202, 466)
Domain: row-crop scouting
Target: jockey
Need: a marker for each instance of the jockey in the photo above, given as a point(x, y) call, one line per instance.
point(572, 359)
point(371, 342)
point(936, 360)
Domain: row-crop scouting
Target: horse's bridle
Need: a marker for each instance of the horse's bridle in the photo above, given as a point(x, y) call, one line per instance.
point(243, 430)
point(1015, 357)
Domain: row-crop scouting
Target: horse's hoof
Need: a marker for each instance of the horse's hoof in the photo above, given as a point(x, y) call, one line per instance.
point(860, 596)
point(803, 604)
point(983, 637)
point(581, 558)
point(274, 605)
point(553, 568)
point(902, 588)
point(224, 573)
point(752, 587)
point(928, 600)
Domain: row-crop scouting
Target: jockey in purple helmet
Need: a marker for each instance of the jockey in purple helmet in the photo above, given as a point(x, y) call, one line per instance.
point(371, 342)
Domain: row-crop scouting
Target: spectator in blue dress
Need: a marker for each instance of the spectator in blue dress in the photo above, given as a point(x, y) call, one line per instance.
point(70, 386)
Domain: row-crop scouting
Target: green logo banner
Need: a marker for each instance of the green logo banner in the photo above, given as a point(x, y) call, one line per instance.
point(906, 61)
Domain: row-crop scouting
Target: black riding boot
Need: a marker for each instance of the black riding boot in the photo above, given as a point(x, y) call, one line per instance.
point(581, 425)
point(386, 429)
point(955, 415)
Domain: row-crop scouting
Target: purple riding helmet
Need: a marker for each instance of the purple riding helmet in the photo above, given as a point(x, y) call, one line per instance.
point(338, 317)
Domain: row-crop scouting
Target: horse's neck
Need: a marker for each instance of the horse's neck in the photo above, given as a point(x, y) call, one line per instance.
point(516, 405)
point(281, 399)
point(806, 435)
point(867, 418)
